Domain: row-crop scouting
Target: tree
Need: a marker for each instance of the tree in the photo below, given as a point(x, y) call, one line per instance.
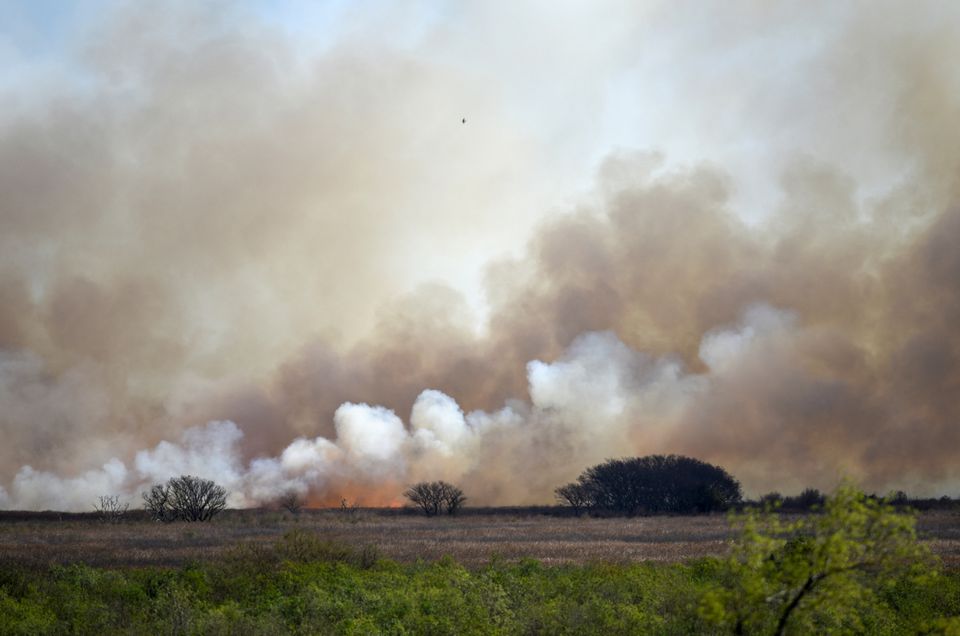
point(453, 498)
point(435, 496)
point(772, 500)
point(809, 499)
point(292, 501)
point(156, 502)
point(575, 495)
point(654, 484)
point(814, 575)
point(185, 498)
point(109, 508)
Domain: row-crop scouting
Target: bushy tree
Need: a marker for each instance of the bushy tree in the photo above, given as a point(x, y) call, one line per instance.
point(816, 574)
point(185, 498)
point(434, 497)
point(653, 484)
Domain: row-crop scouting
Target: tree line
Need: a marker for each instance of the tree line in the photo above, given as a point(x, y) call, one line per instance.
point(629, 486)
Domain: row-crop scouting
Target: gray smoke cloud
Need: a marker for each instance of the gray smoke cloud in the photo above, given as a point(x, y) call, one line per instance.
point(208, 244)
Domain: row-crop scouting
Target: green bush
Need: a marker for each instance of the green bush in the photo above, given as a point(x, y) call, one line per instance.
point(822, 573)
point(305, 585)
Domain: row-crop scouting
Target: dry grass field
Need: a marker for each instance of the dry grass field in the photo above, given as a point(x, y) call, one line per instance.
point(473, 539)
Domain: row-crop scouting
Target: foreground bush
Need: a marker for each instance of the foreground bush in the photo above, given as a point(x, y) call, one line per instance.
point(304, 584)
point(821, 573)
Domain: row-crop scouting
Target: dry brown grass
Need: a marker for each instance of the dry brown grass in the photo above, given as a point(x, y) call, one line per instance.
point(471, 538)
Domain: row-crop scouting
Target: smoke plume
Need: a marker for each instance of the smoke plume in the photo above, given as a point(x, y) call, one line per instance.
point(222, 257)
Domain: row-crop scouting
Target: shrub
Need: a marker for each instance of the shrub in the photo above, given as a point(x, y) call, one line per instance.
point(109, 509)
point(819, 574)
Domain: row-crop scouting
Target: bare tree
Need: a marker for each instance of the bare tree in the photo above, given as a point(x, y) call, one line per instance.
point(109, 508)
point(185, 498)
point(426, 496)
point(156, 502)
point(434, 497)
point(197, 499)
point(292, 501)
point(453, 498)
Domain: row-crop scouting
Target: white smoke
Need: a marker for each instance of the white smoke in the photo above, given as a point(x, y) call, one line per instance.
point(209, 451)
point(35, 490)
point(599, 399)
point(721, 349)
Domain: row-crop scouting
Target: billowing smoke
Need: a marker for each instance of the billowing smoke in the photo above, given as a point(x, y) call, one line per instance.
point(208, 244)
point(599, 397)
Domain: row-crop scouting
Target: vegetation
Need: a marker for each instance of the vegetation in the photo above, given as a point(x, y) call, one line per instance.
point(185, 498)
point(110, 509)
point(434, 497)
point(575, 495)
point(303, 584)
point(291, 501)
point(809, 499)
point(820, 573)
point(652, 484)
point(855, 567)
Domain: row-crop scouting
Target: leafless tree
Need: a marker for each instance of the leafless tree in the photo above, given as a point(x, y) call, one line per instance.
point(433, 497)
point(156, 502)
point(109, 508)
point(185, 498)
point(453, 498)
point(292, 501)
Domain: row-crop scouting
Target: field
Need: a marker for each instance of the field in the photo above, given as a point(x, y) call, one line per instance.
point(391, 572)
point(472, 539)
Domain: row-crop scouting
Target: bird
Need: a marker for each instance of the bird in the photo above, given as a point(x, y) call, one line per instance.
point(463, 121)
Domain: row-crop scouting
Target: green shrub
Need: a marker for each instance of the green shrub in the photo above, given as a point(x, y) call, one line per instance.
point(823, 573)
point(306, 585)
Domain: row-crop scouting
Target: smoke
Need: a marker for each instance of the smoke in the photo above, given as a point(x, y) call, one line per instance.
point(599, 397)
point(209, 242)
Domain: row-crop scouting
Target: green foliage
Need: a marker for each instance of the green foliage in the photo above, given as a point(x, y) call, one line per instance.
point(305, 584)
point(822, 573)
point(26, 616)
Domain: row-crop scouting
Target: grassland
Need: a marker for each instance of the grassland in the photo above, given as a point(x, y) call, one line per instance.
point(471, 539)
point(385, 572)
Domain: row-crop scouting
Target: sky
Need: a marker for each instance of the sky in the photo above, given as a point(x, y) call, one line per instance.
point(256, 241)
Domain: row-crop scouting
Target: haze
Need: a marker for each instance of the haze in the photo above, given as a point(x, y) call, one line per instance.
point(255, 242)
